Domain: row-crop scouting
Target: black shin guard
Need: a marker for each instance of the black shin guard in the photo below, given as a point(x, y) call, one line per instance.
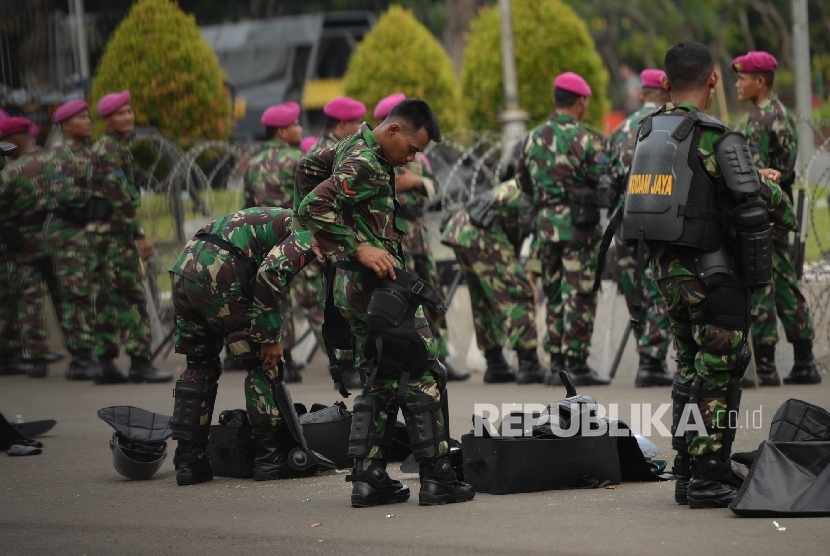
point(191, 460)
point(682, 468)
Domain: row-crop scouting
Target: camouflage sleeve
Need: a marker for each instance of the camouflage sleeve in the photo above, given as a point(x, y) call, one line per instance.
point(428, 178)
point(287, 175)
point(594, 160)
point(111, 170)
point(522, 171)
point(781, 211)
point(321, 211)
point(757, 135)
point(534, 262)
point(254, 186)
point(276, 272)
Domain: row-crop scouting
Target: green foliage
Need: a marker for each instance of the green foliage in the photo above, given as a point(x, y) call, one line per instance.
point(401, 55)
point(549, 39)
point(173, 76)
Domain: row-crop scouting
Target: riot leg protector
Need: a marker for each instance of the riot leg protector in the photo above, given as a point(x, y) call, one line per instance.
point(372, 485)
point(191, 459)
point(714, 482)
point(439, 482)
point(682, 468)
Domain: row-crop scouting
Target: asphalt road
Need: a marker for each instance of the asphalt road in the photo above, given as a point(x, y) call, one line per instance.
point(70, 500)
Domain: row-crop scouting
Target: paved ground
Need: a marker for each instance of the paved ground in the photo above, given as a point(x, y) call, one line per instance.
point(70, 500)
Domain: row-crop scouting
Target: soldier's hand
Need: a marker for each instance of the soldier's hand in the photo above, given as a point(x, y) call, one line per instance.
point(771, 175)
point(270, 354)
point(405, 180)
point(378, 260)
point(145, 248)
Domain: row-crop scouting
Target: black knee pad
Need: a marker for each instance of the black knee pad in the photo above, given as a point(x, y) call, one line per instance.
point(422, 414)
point(393, 340)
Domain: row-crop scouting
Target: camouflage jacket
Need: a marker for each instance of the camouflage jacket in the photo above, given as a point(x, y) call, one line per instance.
point(110, 176)
point(772, 135)
point(356, 205)
point(666, 260)
point(619, 147)
point(506, 232)
point(557, 157)
point(421, 168)
point(23, 189)
point(269, 181)
point(65, 167)
point(327, 139)
point(263, 237)
point(313, 169)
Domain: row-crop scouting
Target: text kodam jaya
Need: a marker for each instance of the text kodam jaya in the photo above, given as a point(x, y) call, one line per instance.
point(650, 184)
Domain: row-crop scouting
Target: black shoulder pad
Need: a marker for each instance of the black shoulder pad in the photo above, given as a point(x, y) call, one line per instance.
point(645, 126)
point(736, 164)
point(686, 126)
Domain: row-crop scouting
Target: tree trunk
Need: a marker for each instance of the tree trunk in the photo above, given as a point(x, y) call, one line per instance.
point(459, 15)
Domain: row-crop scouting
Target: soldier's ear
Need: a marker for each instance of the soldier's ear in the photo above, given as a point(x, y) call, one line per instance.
point(664, 81)
point(714, 78)
point(393, 128)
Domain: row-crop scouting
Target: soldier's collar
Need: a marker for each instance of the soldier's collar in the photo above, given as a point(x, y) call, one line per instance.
point(276, 143)
point(685, 105)
point(561, 118)
point(365, 131)
point(773, 97)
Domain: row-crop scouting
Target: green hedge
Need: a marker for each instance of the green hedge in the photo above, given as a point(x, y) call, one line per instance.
point(549, 38)
point(401, 55)
point(173, 75)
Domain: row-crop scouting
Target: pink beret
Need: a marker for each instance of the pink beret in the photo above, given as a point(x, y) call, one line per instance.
point(308, 143)
point(753, 62)
point(572, 83)
point(387, 104)
point(68, 110)
point(281, 115)
point(3, 115)
point(112, 102)
point(345, 109)
point(10, 126)
point(652, 78)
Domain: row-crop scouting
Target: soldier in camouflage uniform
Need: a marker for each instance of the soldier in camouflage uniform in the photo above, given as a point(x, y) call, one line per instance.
point(9, 336)
point(653, 337)
point(773, 139)
point(228, 285)
point(415, 184)
point(708, 302)
point(560, 167)
point(352, 216)
point(65, 233)
point(487, 239)
point(269, 182)
point(117, 239)
point(23, 213)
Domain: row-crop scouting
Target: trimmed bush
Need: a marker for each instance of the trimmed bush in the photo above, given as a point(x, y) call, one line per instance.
point(173, 75)
point(549, 38)
point(401, 55)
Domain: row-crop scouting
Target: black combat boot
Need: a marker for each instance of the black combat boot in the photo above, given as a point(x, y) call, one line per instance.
point(107, 372)
point(583, 375)
point(530, 371)
point(714, 483)
point(35, 368)
point(372, 485)
point(764, 368)
point(271, 460)
point(292, 369)
point(54, 357)
point(497, 368)
point(452, 373)
point(81, 367)
point(557, 363)
point(141, 370)
point(652, 372)
point(682, 468)
point(10, 364)
point(805, 368)
point(440, 484)
point(191, 460)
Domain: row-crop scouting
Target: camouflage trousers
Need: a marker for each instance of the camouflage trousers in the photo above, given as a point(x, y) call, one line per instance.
point(72, 259)
point(306, 294)
point(706, 350)
point(782, 297)
point(419, 261)
point(349, 298)
point(653, 338)
point(31, 279)
point(120, 303)
point(568, 270)
point(501, 297)
point(9, 318)
point(206, 316)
